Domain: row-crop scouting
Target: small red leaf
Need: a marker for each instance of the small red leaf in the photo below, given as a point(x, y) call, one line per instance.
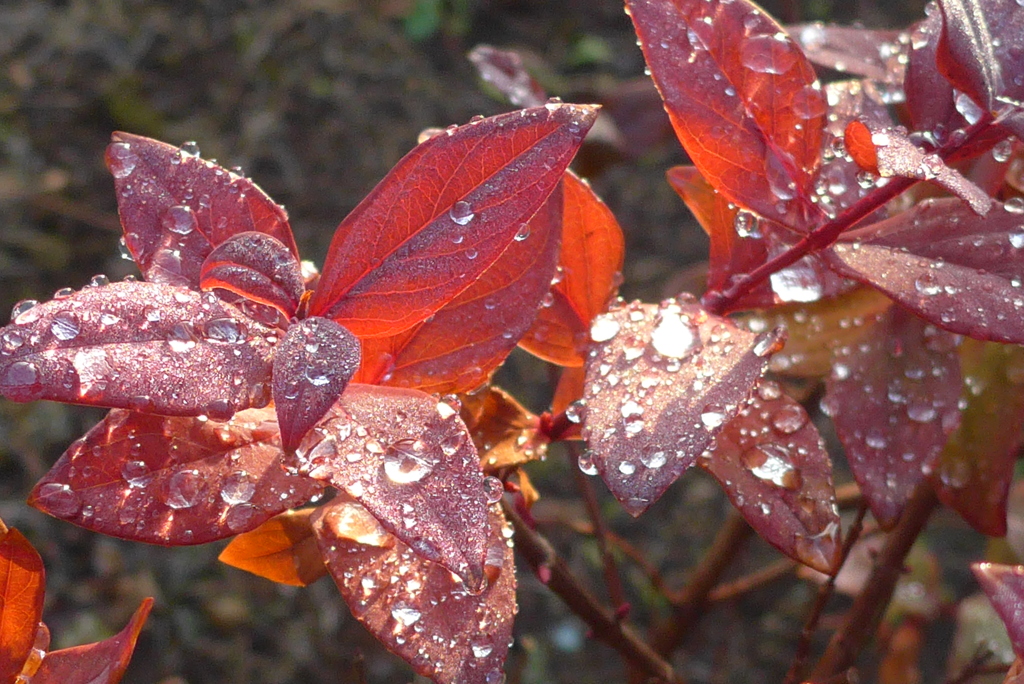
point(409, 459)
point(417, 608)
point(175, 207)
point(312, 366)
point(590, 264)
point(282, 550)
point(743, 99)
point(772, 463)
point(137, 345)
point(22, 580)
point(173, 481)
point(893, 398)
point(661, 382)
point(258, 267)
point(504, 70)
point(443, 216)
point(1004, 586)
point(101, 663)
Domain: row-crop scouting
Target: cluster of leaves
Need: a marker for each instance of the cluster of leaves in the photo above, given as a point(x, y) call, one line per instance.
point(875, 222)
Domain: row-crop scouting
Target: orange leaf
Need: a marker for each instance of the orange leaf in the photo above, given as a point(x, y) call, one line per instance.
point(282, 550)
point(21, 601)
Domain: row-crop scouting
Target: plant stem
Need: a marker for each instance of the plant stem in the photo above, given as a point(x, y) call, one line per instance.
point(538, 552)
point(727, 591)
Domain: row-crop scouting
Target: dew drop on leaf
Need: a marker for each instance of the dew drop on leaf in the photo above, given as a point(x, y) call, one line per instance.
point(23, 307)
point(652, 457)
point(770, 462)
point(189, 149)
point(238, 488)
point(183, 489)
point(59, 499)
point(604, 328)
point(788, 419)
point(1014, 205)
point(405, 614)
point(493, 489)
point(121, 160)
point(136, 473)
point(746, 224)
point(672, 336)
point(461, 212)
point(406, 462)
point(712, 416)
point(21, 375)
point(179, 219)
point(574, 412)
point(586, 462)
point(627, 468)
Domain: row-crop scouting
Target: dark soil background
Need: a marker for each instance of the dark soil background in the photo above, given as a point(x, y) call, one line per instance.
point(316, 100)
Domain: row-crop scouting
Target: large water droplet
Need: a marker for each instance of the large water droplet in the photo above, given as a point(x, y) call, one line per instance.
point(183, 489)
point(789, 419)
point(481, 649)
point(59, 499)
point(461, 212)
point(672, 336)
point(404, 614)
point(121, 160)
point(20, 312)
point(493, 489)
point(768, 54)
point(926, 284)
point(712, 416)
point(653, 457)
point(406, 461)
point(586, 462)
point(179, 220)
point(226, 330)
point(604, 328)
point(627, 468)
point(770, 462)
point(21, 375)
point(136, 473)
point(238, 488)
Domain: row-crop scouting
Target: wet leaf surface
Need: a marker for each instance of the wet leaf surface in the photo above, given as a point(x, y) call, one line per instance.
point(22, 581)
point(966, 56)
point(258, 267)
point(504, 432)
point(283, 550)
point(879, 55)
point(1004, 586)
point(173, 481)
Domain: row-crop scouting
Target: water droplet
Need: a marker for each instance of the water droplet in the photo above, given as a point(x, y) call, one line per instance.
point(626, 468)
point(604, 328)
point(746, 224)
point(189, 149)
point(183, 489)
point(405, 614)
point(238, 488)
point(653, 457)
point(121, 160)
point(712, 416)
point(59, 499)
point(789, 419)
point(461, 212)
point(769, 342)
point(672, 336)
point(21, 308)
point(226, 330)
point(1002, 150)
point(21, 375)
point(586, 462)
point(495, 677)
point(768, 390)
point(770, 462)
point(575, 411)
point(446, 408)
point(1014, 205)
point(65, 326)
point(632, 416)
point(136, 473)
point(98, 280)
point(481, 649)
point(179, 219)
point(523, 232)
point(240, 518)
point(405, 461)
point(493, 489)
point(921, 411)
point(768, 54)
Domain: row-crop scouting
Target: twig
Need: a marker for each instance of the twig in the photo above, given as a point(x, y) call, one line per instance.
point(862, 619)
point(755, 580)
point(537, 551)
point(848, 495)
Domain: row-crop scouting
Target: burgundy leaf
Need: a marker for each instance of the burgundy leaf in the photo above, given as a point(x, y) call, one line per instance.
point(312, 366)
point(504, 70)
point(461, 345)
point(950, 266)
point(1004, 585)
point(175, 207)
point(893, 398)
point(101, 663)
point(143, 346)
point(443, 215)
point(931, 101)
point(258, 267)
point(410, 460)
point(173, 481)
point(661, 382)
point(772, 463)
point(743, 99)
point(869, 53)
point(417, 609)
point(965, 51)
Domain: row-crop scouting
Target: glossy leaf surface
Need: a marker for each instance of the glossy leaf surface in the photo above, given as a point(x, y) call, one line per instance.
point(173, 481)
point(408, 458)
point(101, 663)
point(743, 99)
point(282, 550)
point(175, 207)
point(258, 267)
point(22, 581)
point(965, 51)
point(137, 345)
point(1004, 586)
point(459, 347)
point(661, 382)
point(893, 398)
point(878, 55)
point(504, 432)
point(590, 265)
point(417, 608)
point(772, 463)
point(443, 216)
point(930, 99)
point(312, 365)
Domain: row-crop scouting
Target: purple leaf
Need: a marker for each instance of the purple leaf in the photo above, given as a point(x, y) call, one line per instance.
point(965, 51)
point(409, 459)
point(930, 99)
point(312, 366)
point(869, 53)
point(143, 346)
point(772, 463)
point(1004, 585)
point(661, 382)
point(258, 267)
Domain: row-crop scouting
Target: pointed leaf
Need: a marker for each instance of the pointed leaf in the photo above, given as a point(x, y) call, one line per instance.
point(505, 433)
point(282, 550)
point(965, 52)
point(1004, 586)
point(144, 346)
point(975, 469)
point(417, 609)
point(459, 347)
point(443, 216)
point(743, 99)
point(22, 579)
point(869, 53)
point(504, 70)
point(893, 398)
point(175, 207)
point(931, 101)
point(590, 264)
point(409, 459)
point(173, 481)
point(772, 463)
point(661, 382)
point(312, 366)
point(569, 389)
point(258, 267)
point(950, 266)
point(101, 663)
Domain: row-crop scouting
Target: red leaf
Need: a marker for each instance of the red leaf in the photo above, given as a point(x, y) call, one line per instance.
point(743, 99)
point(661, 382)
point(409, 459)
point(417, 609)
point(137, 345)
point(504, 70)
point(101, 663)
point(176, 207)
point(948, 265)
point(443, 216)
point(860, 146)
point(467, 339)
point(772, 463)
point(868, 53)
point(312, 366)
point(1004, 586)
point(590, 260)
point(966, 55)
point(930, 98)
point(282, 550)
point(172, 481)
point(893, 398)
point(258, 267)
point(22, 580)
